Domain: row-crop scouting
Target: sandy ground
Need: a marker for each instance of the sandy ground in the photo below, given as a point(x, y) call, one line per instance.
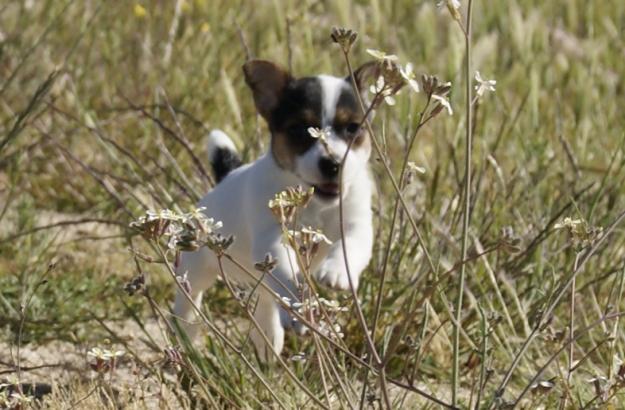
point(65, 367)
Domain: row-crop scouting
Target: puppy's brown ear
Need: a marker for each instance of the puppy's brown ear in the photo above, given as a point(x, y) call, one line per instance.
point(267, 81)
point(366, 75)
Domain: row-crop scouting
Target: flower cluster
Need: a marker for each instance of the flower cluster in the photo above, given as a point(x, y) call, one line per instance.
point(509, 241)
point(185, 231)
point(12, 397)
point(284, 205)
point(321, 311)
point(382, 91)
point(581, 233)
point(305, 241)
point(605, 387)
point(103, 360)
point(392, 77)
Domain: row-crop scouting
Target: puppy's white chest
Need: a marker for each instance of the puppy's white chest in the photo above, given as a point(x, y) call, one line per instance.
point(325, 220)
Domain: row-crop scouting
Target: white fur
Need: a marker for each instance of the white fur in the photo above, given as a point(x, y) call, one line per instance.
point(218, 139)
point(240, 202)
point(331, 88)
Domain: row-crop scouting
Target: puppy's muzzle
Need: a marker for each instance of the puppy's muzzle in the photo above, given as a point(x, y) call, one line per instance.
point(329, 170)
point(329, 167)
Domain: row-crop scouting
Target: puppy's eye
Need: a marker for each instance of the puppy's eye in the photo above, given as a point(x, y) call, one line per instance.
point(352, 127)
point(299, 131)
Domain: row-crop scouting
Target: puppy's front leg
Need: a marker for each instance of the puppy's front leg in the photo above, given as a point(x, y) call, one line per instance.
point(358, 244)
point(270, 316)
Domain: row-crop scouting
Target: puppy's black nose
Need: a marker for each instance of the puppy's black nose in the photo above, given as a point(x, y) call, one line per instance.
point(329, 167)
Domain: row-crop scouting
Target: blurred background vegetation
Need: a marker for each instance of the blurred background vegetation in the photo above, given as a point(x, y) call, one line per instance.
point(104, 106)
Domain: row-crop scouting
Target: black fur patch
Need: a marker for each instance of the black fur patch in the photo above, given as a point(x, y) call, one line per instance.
point(299, 108)
point(223, 162)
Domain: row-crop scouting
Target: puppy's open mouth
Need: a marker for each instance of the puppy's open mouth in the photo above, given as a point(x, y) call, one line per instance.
point(329, 190)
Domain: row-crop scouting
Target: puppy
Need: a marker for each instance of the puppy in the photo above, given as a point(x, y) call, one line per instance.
point(240, 199)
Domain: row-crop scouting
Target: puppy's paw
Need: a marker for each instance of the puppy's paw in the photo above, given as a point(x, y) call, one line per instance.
point(290, 322)
point(269, 344)
point(332, 273)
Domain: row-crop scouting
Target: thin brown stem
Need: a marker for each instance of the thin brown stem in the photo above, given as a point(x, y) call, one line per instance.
point(466, 209)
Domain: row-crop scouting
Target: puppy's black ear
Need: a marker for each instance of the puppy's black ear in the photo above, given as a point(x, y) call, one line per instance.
point(267, 81)
point(366, 75)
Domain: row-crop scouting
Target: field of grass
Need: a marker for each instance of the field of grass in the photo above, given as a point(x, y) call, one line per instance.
point(104, 106)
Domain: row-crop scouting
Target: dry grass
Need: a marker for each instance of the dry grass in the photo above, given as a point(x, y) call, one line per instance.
point(103, 110)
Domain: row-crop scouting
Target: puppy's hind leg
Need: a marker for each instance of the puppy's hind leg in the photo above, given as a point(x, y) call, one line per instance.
point(201, 271)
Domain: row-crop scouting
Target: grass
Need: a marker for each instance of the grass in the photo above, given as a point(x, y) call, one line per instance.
point(98, 124)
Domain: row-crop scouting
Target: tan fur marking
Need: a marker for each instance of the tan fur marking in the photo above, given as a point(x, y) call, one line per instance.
point(282, 152)
point(363, 141)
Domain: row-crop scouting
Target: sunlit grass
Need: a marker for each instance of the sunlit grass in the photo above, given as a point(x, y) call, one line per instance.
point(119, 128)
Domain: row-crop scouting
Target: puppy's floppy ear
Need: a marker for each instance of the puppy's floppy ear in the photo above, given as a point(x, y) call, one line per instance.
point(267, 81)
point(366, 74)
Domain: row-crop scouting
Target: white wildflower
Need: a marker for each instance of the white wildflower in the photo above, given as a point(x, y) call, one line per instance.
point(316, 235)
point(299, 357)
point(322, 135)
point(409, 75)
point(104, 360)
point(104, 354)
point(568, 223)
point(483, 85)
point(444, 102)
point(455, 4)
point(381, 89)
point(412, 167)
point(382, 57)
point(318, 133)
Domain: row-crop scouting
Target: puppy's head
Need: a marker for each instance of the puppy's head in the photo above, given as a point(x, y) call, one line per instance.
point(293, 105)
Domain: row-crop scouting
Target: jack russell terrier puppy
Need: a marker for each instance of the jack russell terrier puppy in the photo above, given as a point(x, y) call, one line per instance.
point(240, 199)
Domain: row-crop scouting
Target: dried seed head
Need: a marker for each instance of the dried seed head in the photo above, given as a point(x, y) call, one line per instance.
point(219, 243)
point(344, 37)
point(266, 265)
point(187, 241)
point(137, 284)
point(173, 358)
